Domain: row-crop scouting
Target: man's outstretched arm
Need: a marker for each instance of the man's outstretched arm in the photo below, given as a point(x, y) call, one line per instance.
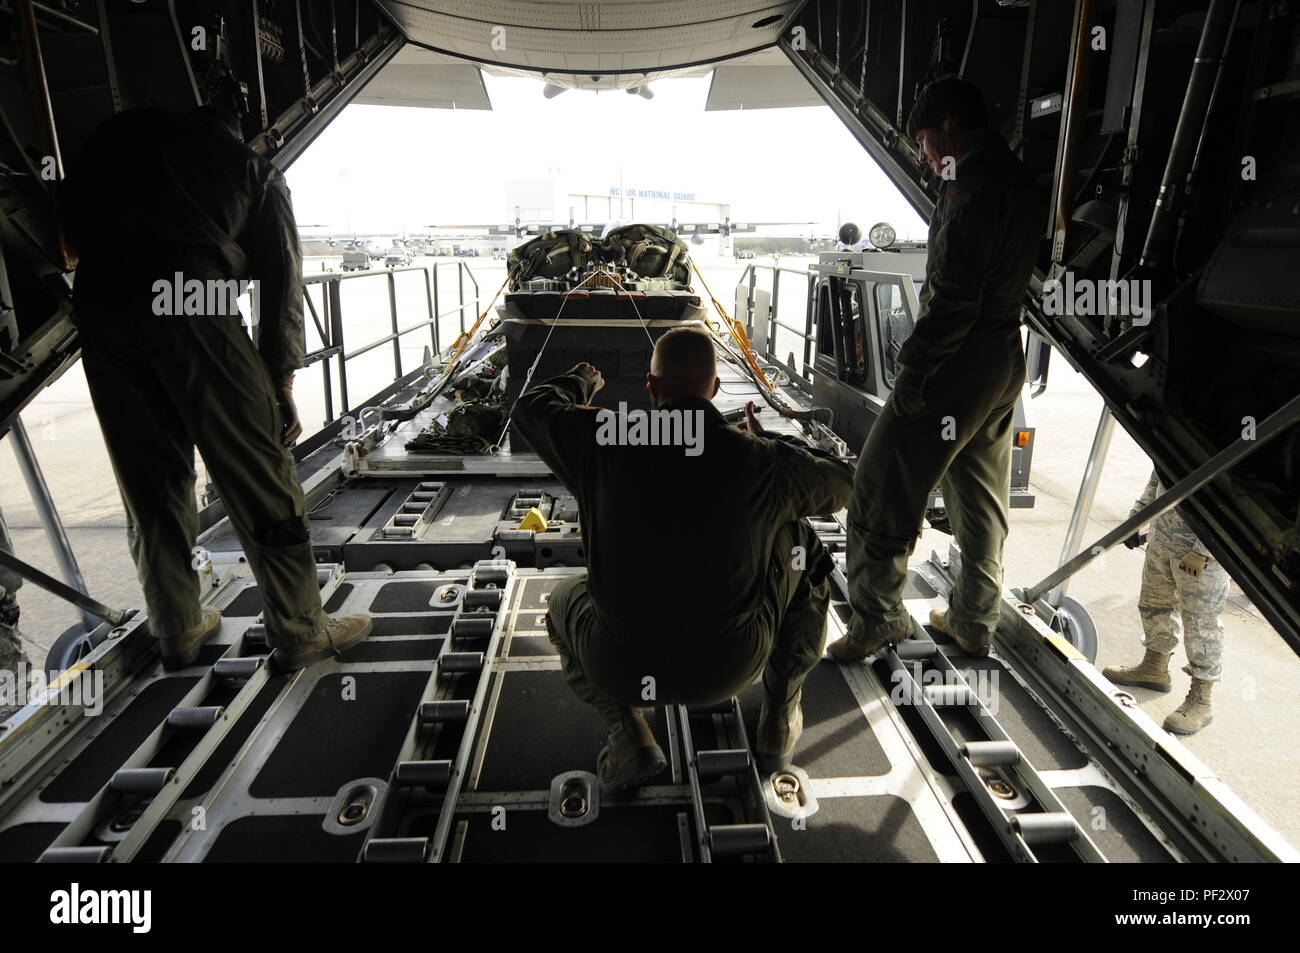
point(554, 419)
point(810, 481)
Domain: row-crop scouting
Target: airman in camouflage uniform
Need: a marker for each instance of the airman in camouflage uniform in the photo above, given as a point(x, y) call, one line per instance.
point(1184, 590)
point(13, 657)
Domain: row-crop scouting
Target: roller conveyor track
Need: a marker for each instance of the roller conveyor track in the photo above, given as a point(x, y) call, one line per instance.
point(443, 722)
point(402, 750)
point(1021, 809)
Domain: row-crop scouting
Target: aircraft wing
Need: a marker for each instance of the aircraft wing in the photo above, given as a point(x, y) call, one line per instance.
point(521, 229)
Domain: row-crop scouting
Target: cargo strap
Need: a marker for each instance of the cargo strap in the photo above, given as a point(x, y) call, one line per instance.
point(463, 339)
point(528, 377)
point(736, 330)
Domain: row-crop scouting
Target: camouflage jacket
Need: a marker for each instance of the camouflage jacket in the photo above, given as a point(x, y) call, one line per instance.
point(1171, 526)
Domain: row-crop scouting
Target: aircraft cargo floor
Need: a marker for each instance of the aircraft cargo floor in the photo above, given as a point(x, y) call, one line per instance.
point(412, 746)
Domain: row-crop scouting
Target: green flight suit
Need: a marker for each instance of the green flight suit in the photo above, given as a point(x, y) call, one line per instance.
point(966, 352)
point(703, 575)
point(153, 195)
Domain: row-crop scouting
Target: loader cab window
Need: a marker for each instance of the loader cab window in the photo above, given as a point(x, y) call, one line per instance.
point(855, 320)
point(825, 329)
point(895, 326)
point(842, 330)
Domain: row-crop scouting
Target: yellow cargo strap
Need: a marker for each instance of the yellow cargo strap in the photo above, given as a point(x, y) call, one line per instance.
point(463, 340)
point(735, 329)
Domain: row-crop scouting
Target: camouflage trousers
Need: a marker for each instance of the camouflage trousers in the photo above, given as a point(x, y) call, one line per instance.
point(13, 655)
point(10, 581)
point(1174, 604)
point(13, 659)
point(781, 643)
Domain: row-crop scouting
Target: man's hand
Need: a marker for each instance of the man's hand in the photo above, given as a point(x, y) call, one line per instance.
point(288, 411)
point(590, 373)
point(1193, 564)
point(750, 424)
point(1136, 540)
point(908, 396)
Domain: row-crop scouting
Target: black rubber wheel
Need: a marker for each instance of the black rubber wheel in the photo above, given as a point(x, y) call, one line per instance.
point(68, 649)
point(1073, 622)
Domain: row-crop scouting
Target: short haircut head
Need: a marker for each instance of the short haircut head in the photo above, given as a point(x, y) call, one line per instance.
point(685, 363)
point(948, 97)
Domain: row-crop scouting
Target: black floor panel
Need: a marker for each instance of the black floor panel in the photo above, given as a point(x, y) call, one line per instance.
point(394, 650)
point(432, 623)
point(540, 730)
point(338, 597)
point(210, 653)
point(337, 519)
point(90, 770)
point(1118, 833)
point(618, 835)
point(409, 596)
point(247, 603)
point(877, 830)
point(342, 734)
point(534, 589)
point(836, 742)
point(1044, 744)
point(300, 838)
point(24, 843)
point(523, 646)
point(530, 620)
point(471, 517)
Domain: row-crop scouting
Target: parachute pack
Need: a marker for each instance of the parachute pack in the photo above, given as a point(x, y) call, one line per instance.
point(649, 250)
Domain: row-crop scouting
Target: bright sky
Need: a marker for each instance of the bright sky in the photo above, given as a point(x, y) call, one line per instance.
point(380, 169)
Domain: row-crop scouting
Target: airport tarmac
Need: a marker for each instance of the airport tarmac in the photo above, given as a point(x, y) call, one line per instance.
point(1247, 745)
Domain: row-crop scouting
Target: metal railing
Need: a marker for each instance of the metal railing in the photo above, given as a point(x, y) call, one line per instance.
point(767, 336)
point(331, 328)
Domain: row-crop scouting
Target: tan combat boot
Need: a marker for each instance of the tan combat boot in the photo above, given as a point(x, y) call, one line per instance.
point(1195, 712)
point(339, 634)
point(779, 728)
point(939, 620)
point(183, 651)
point(631, 757)
point(854, 648)
point(1152, 672)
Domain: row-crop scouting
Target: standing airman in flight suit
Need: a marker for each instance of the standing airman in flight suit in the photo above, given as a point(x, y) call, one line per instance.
point(948, 421)
point(1184, 590)
point(159, 205)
